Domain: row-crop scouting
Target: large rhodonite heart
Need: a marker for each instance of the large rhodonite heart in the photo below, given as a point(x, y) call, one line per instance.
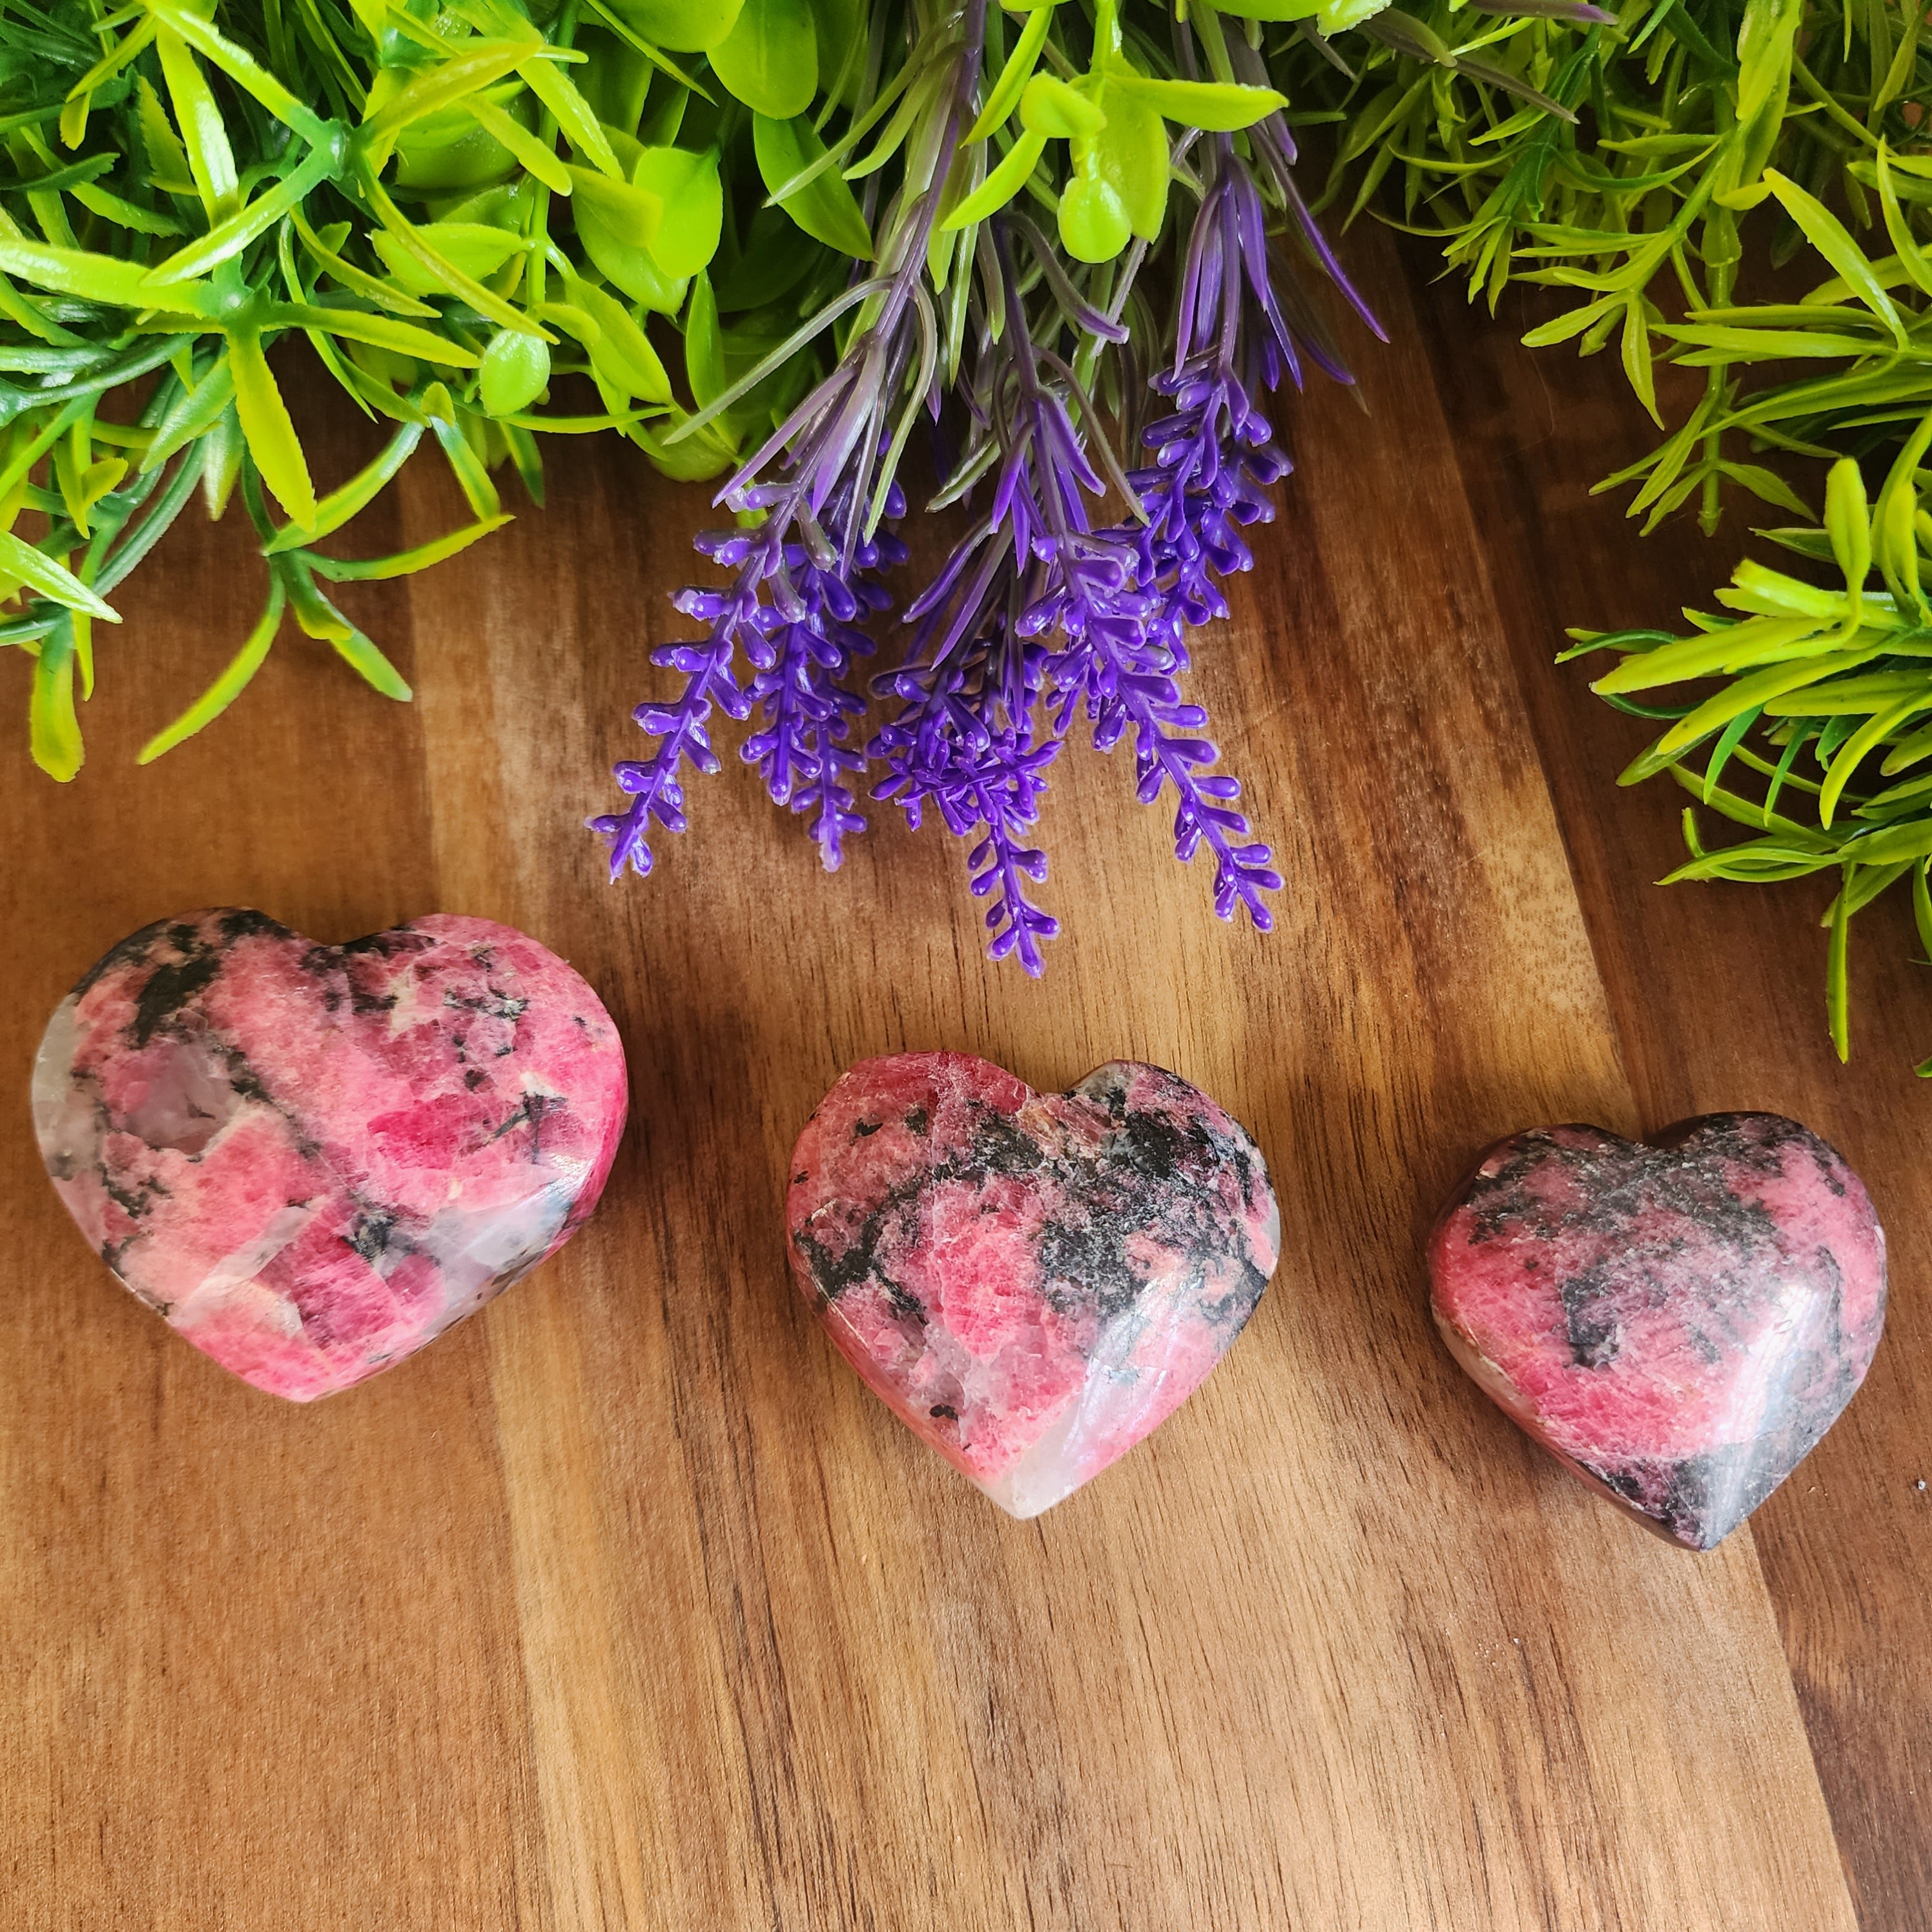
point(1032, 1282)
point(1679, 1321)
point(313, 1160)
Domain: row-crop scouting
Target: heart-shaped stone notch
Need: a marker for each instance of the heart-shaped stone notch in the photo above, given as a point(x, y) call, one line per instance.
point(313, 1160)
point(1031, 1281)
point(1679, 1320)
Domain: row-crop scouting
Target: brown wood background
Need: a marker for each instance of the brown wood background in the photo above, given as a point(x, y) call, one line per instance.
point(625, 1606)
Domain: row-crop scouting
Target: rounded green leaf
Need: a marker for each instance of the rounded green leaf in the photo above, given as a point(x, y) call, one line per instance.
point(623, 355)
point(1217, 106)
point(1333, 16)
point(693, 220)
point(769, 60)
point(684, 26)
point(515, 372)
point(826, 207)
point(473, 248)
point(1093, 223)
point(1130, 154)
point(449, 153)
point(631, 212)
point(692, 461)
point(628, 266)
point(1050, 106)
point(776, 255)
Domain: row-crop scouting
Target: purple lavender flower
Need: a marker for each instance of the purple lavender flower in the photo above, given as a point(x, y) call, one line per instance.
point(965, 740)
point(1215, 458)
point(809, 567)
point(1037, 616)
point(975, 734)
point(803, 747)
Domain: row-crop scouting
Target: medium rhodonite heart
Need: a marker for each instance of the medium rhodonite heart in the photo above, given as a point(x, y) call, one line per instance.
point(1679, 1321)
point(313, 1160)
point(1032, 1282)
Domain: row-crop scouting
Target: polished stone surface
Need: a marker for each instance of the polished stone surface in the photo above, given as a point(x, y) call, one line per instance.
point(1680, 1320)
point(1032, 1282)
point(313, 1160)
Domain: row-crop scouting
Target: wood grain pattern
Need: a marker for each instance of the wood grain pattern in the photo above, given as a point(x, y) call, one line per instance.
point(626, 1607)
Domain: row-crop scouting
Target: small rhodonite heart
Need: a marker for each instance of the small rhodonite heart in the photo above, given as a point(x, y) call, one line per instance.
point(1679, 1320)
point(313, 1160)
point(1032, 1282)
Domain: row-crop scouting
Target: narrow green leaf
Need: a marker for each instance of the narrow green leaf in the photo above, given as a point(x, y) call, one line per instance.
point(241, 68)
point(100, 278)
point(538, 158)
point(53, 731)
point(229, 686)
point(443, 86)
point(362, 655)
point(1219, 107)
point(477, 490)
point(265, 422)
point(373, 288)
point(406, 563)
point(1852, 751)
point(228, 238)
point(1759, 689)
point(381, 332)
point(704, 346)
point(1014, 76)
point(1637, 353)
point(49, 578)
point(1912, 258)
point(210, 157)
point(1000, 185)
point(1848, 523)
point(356, 496)
point(191, 414)
point(1838, 1011)
point(397, 226)
point(1827, 234)
point(558, 92)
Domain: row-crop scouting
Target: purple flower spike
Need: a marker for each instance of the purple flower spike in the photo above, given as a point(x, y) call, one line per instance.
point(1038, 616)
point(803, 747)
point(809, 567)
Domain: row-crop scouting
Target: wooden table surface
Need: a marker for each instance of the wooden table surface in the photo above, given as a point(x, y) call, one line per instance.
point(625, 1606)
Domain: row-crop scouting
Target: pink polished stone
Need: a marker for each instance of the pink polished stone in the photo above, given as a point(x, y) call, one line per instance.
point(313, 1160)
point(1679, 1321)
point(1031, 1281)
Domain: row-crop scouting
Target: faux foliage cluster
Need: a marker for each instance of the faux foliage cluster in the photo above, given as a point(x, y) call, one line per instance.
point(1744, 192)
point(1069, 247)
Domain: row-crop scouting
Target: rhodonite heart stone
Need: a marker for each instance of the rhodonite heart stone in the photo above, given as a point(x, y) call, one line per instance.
point(1032, 1282)
point(1681, 1320)
point(313, 1160)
